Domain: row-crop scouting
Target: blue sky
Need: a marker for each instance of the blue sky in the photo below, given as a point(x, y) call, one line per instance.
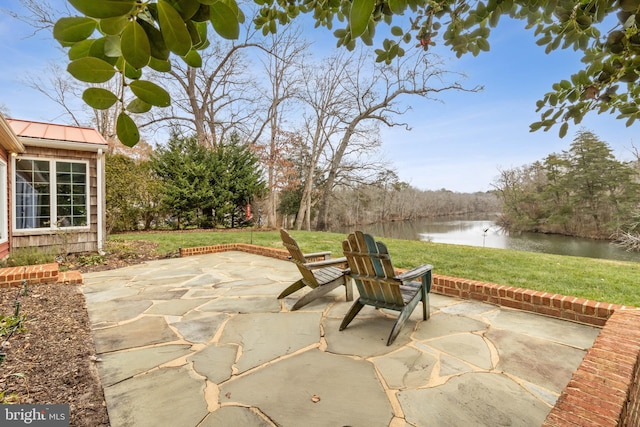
point(459, 144)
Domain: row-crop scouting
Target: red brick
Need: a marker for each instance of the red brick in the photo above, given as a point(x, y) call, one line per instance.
point(566, 303)
point(578, 305)
point(513, 304)
point(548, 311)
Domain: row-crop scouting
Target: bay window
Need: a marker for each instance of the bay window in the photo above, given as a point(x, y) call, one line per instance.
point(50, 194)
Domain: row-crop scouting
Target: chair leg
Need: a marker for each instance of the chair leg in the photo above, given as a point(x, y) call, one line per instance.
point(404, 315)
point(316, 293)
point(426, 311)
point(348, 284)
point(296, 286)
point(353, 311)
point(402, 318)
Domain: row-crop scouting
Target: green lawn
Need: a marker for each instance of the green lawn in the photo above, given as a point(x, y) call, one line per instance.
point(600, 280)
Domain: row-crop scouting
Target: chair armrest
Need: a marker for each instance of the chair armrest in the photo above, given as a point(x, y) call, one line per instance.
point(414, 273)
point(325, 255)
point(325, 263)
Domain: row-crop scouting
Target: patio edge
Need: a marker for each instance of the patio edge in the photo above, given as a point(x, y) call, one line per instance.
point(603, 392)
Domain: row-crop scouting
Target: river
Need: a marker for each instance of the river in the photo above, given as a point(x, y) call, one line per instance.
point(483, 231)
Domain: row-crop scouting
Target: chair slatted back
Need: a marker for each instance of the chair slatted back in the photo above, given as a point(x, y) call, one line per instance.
point(298, 258)
point(371, 269)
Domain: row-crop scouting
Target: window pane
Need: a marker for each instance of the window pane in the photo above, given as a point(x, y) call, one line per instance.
point(71, 195)
point(63, 178)
point(32, 194)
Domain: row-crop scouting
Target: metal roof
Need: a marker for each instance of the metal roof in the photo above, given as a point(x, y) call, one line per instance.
point(55, 132)
point(8, 138)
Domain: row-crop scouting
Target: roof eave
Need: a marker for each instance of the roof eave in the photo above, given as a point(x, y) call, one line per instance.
point(9, 139)
point(62, 145)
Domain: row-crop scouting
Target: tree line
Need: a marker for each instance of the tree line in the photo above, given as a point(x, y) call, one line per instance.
point(183, 184)
point(583, 191)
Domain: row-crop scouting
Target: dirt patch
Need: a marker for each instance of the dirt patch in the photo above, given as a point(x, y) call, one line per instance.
point(53, 360)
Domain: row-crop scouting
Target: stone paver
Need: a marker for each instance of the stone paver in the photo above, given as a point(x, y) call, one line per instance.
point(203, 341)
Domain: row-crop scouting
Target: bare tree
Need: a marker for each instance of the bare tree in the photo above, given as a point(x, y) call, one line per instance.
point(40, 14)
point(4, 110)
point(372, 94)
point(328, 102)
point(215, 99)
point(54, 84)
point(282, 65)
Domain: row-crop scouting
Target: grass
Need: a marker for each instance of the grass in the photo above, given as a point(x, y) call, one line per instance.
point(615, 282)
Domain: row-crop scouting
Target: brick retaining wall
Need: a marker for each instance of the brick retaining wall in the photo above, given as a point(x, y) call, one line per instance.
point(603, 392)
point(33, 274)
point(37, 274)
point(561, 306)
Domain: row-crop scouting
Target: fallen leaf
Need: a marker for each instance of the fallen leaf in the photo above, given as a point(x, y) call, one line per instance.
point(315, 398)
point(228, 395)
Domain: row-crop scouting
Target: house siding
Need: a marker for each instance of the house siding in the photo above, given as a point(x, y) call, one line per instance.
point(72, 240)
point(5, 246)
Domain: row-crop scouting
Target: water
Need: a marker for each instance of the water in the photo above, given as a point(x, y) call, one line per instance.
point(483, 232)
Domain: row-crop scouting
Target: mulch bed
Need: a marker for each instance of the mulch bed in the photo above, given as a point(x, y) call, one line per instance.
point(52, 361)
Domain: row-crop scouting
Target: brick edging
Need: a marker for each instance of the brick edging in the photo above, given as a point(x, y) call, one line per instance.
point(33, 274)
point(603, 392)
point(561, 306)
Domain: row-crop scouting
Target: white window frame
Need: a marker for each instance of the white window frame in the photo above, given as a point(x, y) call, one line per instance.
point(53, 202)
point(4, 200)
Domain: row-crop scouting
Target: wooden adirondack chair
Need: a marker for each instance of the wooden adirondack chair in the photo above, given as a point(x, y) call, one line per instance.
point(321, 276)
point(378, 284)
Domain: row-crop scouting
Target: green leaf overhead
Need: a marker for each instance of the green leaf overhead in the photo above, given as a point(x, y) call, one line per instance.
point(359, 16)
point(131, 73)
point(103, 8)
point(158, 47)
point(113, 26)
point(150, 93)
point(91, 70)
point(138, 106)
point(398, 6)
point(159, 65)
point(186, 8)
point(193, 59)
point(74, 29)
point(202, 15)
point(99, 98)
point(112, 47)
point(174, 30)
point(80, 49)
point(127, 130)
point(224, 20)
point(135, 46)
point(200, 35)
